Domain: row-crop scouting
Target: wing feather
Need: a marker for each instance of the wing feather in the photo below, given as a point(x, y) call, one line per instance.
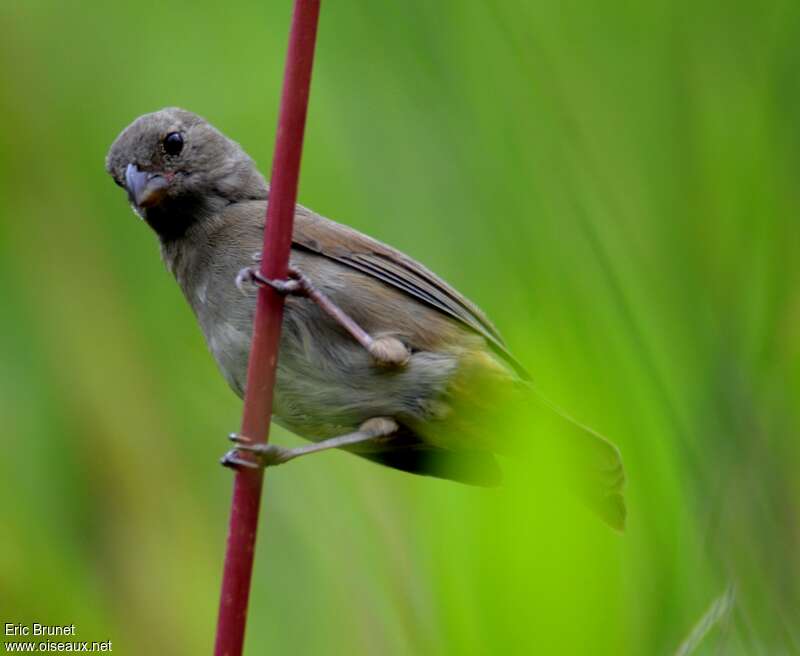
point(354, 249)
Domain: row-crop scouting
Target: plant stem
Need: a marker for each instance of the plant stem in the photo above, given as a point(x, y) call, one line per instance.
point(267, 326)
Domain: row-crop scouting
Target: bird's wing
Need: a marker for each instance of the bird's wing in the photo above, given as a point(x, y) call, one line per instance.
point(373, 258)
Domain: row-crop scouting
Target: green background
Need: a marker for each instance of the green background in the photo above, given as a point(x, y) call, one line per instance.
point(615, 182)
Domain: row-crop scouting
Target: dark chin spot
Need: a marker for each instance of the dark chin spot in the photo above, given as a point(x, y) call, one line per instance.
point(172, 218)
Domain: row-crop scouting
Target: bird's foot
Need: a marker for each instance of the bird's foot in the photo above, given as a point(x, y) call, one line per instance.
point(386, 351)
point(375, 431)
point(251, 277)
point(264, 455)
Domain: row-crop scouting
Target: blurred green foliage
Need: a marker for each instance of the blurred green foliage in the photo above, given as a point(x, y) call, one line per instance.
point(616, 183)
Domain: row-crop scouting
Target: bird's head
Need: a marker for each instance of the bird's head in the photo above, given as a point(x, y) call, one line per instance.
point(177, 169)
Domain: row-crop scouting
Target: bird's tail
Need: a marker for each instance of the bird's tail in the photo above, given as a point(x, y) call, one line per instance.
point(593, 465)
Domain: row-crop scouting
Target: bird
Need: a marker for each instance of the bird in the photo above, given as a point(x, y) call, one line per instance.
point(378, 355)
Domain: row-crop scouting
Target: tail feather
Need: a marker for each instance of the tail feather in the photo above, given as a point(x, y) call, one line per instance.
point(594, 465)
point(591, 464)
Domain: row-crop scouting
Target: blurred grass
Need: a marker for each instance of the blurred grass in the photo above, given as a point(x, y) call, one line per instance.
point(615, 183)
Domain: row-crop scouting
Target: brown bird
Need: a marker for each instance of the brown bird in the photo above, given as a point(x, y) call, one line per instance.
point(378, 355)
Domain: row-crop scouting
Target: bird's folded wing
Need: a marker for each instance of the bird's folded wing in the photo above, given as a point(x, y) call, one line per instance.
point(354, 249)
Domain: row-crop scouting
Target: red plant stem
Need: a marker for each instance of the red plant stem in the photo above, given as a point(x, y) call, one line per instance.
point(267, 326)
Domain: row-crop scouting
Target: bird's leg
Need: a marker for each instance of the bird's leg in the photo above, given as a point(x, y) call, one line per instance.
point(387, 351)
point(268, 455)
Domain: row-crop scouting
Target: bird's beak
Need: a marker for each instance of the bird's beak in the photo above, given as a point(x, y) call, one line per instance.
point(144, 189)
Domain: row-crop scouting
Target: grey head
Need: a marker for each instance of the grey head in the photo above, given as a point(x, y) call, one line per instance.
point(179, 170)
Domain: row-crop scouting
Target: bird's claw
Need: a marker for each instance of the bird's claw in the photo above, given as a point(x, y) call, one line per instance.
point(232, 460)
point(246, 279)
point(238, 438)
point(251, 277)
point(266, 455)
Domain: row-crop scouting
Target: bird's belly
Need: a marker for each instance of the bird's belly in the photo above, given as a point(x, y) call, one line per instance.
point(327, 384)
point(320, 395)
point(230, 346)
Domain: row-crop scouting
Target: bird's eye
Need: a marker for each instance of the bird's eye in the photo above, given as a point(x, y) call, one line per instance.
point(173, 143)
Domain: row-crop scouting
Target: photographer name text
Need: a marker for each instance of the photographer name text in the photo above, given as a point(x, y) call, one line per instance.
point(37, 629)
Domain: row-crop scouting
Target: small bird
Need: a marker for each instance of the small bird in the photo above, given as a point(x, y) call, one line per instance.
point(378, 355)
